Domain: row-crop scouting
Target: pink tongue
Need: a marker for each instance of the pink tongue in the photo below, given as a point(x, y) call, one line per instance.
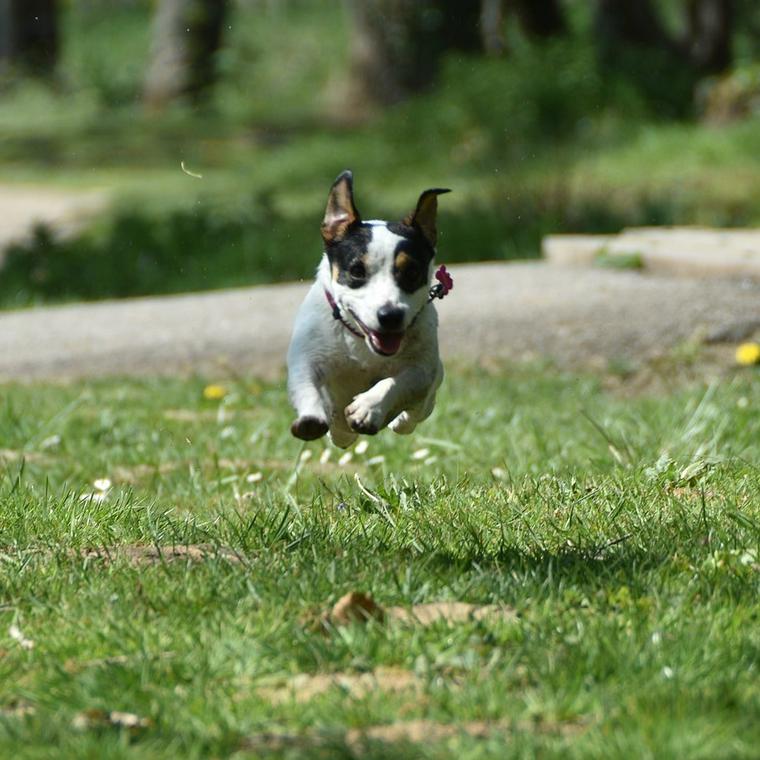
point(386, 343)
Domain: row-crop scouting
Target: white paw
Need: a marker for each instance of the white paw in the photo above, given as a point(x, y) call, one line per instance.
point(363, 416)
point(403, 424)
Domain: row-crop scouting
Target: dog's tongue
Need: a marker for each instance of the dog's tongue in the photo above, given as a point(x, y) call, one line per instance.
point(386, 343)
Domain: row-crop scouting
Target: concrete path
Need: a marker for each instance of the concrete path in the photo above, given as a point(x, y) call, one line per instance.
point(681, 251)
point(575, 316)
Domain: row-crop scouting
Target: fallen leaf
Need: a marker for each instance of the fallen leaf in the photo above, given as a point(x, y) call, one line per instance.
point(355, 607)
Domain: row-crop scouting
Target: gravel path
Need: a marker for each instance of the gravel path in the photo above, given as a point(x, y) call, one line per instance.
point(515, 311)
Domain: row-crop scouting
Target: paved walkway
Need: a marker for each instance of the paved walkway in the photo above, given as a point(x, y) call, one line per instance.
point(575, 316)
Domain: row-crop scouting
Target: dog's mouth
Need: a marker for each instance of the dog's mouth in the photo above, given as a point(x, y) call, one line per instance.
point(383, 343)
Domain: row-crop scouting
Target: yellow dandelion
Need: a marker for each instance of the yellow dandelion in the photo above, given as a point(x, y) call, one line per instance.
point(214, 392)
point(748, 354)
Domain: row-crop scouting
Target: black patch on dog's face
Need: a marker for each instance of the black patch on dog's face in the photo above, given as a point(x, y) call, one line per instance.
point(412, 257)
point(348, 257)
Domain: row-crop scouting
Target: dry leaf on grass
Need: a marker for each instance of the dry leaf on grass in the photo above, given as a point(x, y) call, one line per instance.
point(355, 607)
point(304, 686)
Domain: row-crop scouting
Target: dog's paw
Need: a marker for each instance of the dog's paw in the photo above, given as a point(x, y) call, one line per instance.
point(308, 427)
point(363, 417)
point(403, 424)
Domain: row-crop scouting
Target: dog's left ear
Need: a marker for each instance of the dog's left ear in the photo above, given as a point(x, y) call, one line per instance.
point(341, 212)
point(424, 216)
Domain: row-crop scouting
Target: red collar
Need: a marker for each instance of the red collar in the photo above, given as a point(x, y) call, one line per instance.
point(337, 315)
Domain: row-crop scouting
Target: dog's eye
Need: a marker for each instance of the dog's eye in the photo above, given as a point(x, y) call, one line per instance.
point(357, 270)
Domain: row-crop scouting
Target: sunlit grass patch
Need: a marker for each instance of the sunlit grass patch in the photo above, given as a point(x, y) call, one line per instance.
point(566, 570)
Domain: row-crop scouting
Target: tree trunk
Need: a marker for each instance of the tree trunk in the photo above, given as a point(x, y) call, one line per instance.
point(492, 26)
point(666, 68)
point(630, 22)
point(187, 35)
point(635, 47)
point(540, 18)
point(29, 35)
point(710, 24)
point(397, 45)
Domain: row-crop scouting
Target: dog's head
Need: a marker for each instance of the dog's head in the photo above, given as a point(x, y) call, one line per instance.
point(380, 270)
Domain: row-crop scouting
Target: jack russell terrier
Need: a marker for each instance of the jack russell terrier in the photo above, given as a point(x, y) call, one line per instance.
point(364, 351)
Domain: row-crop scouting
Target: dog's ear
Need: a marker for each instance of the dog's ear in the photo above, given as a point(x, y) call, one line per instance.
point(341, 212)
point(424, 216)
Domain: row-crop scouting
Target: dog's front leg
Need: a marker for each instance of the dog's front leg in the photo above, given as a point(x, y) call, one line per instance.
point(311, 414)
point(370, 411)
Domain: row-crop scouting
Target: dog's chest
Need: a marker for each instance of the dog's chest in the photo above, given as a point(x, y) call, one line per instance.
point(347, 376)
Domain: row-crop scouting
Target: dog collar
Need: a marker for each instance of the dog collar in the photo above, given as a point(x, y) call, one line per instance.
point(442, 288)
point(337, 315)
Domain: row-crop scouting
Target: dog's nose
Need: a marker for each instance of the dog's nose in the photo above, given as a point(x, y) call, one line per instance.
point(390, 317)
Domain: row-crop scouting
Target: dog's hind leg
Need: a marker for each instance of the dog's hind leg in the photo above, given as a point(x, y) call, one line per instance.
point(342, 437)
point(404, 423)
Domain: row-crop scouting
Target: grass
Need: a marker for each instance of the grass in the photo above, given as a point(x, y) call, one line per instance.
point(553, 152)
point(623, 531)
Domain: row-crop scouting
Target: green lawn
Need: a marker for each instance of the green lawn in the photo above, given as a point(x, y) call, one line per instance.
point(619, 533)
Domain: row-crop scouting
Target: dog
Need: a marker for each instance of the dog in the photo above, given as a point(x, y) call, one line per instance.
point(364, 350)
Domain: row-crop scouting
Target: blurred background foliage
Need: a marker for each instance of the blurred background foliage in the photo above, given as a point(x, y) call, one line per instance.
point(542, 115)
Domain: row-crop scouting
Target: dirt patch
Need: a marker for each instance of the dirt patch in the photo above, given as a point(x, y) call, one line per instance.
point(138, 472)
point(141, 555)
point(305, 687)
point(419, 731)
point(358, 607)
point(12, 455)
point(450, 612)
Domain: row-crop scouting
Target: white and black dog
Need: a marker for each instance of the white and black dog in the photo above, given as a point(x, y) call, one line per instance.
point(364, 351)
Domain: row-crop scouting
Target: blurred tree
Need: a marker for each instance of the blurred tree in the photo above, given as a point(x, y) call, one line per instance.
point(397, 45)
point(29, 35)
point(540, 18)
point(709, 32)
point(665, 66)
point(187, 35)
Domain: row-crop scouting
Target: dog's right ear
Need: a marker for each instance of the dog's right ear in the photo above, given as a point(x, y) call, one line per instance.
point(341, 212)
